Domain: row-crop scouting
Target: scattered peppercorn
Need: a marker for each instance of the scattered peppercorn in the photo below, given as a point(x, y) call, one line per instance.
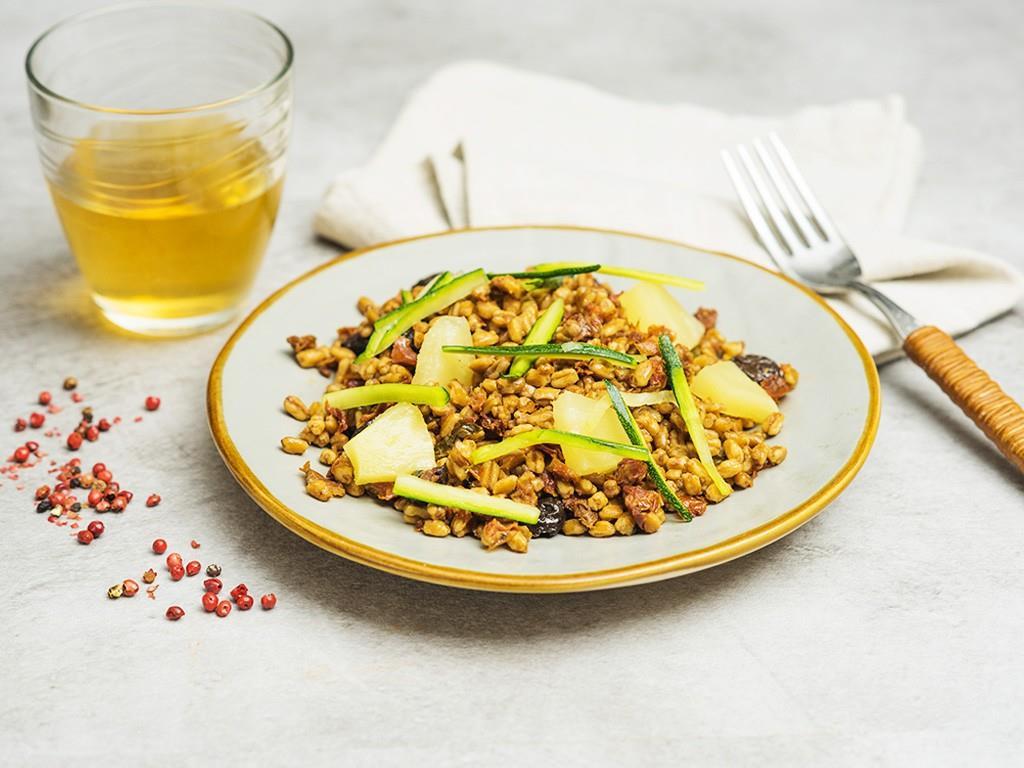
point(87, 414)
point(103, 425)
point(115, 591)
point(268, 601)
point(153, 500)
point(194, 544)
point(85, 537)
point(95, 497)
point(32, 446)
point(76, 397)
point(130, 587)
point(152, 403)
point(241, 589)
point(177, 573)
point(92, 434)
point(159, 546)
point(118, 504)
point(244, 602)
point(74, 441)
point(45, 398)
point(174, 559)
point(175, 612)
point(44, 506)
point(210, 602)
point(193, 567)
point(104, 474)
point(223, 608)
point(96, 528)
point(21, 454)
point(213, 585)
point(149, 576)
point(42, 492)
point(213, 570)
point(70, 382)
point(35, 420)
point(20, 425)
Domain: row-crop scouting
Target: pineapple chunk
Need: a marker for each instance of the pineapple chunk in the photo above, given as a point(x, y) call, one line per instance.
point(395, 443)
point(436, 367)
point(648, 304)
point(594, 418)
point(739, 395)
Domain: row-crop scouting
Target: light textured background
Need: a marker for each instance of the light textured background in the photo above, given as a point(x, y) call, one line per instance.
point(886, 631)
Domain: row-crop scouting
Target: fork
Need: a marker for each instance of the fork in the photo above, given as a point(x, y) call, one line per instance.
point(806, 246)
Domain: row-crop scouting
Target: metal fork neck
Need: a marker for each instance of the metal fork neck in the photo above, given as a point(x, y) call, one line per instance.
point(902, 321)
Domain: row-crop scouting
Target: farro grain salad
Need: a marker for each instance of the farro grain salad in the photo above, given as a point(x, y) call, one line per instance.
point(525, 405)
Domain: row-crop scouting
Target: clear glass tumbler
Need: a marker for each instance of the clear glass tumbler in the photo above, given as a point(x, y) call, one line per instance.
point(162, 130)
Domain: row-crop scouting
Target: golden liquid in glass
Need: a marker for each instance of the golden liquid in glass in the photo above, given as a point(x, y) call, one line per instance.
point(167, 220)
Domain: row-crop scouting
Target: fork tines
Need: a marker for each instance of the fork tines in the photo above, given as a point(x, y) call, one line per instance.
point(777, 199)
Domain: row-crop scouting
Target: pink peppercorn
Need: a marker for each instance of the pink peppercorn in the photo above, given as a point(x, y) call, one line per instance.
point(45, 398)
point(152, 403)
point(223, 608)
point(153, 500)
point(35, 420)
point(20, 425)
point(268, 601)
point(21, 454)
point(175, 612)
point(74, 441)
point(85, 537)
point(96, 528)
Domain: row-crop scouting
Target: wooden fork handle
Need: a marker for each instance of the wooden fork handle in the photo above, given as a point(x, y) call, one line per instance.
point(995, 412)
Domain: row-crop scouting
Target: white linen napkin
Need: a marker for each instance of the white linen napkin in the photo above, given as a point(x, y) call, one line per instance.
point(480, 145)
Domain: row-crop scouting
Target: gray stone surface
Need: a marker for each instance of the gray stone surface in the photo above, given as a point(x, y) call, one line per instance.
point(885, 631)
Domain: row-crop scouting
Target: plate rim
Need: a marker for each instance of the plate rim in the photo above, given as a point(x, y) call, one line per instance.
point(675, 565)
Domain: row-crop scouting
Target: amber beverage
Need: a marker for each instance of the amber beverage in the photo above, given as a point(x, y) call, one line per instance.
point(167, 192)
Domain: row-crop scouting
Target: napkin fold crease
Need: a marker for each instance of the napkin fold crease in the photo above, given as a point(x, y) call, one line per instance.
point(484, 145)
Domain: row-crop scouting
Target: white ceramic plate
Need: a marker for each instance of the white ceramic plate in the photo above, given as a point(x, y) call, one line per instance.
point(830, 419)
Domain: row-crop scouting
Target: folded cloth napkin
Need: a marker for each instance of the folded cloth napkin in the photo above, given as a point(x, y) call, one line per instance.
point(483, 145)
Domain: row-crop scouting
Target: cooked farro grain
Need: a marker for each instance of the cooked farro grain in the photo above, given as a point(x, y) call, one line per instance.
point(487, 407)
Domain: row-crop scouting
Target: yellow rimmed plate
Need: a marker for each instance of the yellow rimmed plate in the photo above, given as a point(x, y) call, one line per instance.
point(831, 418)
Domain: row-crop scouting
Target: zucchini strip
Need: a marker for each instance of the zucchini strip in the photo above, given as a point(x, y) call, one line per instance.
point(438, 298)
point(637, 274)
point(571, 350)
point(688, 409)
point(541, 333)
point(372, 394)
point(554, 270)
point(653, 471)
point(418, 489)
point(555, 437)
point(441, 279)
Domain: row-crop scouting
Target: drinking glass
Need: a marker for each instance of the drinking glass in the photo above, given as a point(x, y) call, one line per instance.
point(162, 130)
